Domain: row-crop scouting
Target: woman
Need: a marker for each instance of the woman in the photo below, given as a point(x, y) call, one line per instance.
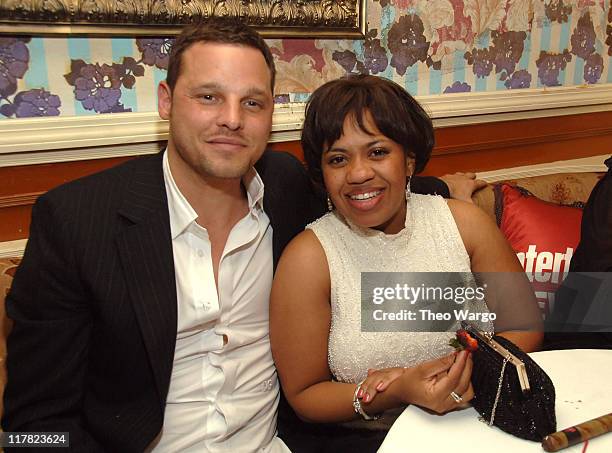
point(363, 138)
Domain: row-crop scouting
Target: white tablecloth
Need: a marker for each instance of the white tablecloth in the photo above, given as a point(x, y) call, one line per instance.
point(583, 384)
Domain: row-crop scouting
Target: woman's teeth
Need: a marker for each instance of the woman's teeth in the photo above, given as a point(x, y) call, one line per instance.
point(365, 196)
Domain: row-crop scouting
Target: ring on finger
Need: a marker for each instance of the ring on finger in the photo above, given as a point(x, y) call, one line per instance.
point(456, 397)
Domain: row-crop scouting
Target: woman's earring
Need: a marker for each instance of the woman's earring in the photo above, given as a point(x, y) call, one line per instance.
point(408, 191)
point(330, 205)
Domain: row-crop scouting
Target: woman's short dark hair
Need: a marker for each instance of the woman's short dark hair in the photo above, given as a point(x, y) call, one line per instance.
point(395, 112)
point(221, 31)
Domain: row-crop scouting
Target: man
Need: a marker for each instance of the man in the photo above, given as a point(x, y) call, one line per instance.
point(593, 254)
point(142, 300)
point(141, 306)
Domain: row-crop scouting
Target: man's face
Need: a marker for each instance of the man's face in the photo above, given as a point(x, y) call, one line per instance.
point(220, 110)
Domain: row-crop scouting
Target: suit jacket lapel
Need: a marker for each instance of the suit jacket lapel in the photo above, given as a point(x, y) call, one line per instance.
point(145, 250)
point(290, 200)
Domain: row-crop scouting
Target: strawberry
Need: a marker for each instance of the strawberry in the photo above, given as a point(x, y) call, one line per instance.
point(464, 341)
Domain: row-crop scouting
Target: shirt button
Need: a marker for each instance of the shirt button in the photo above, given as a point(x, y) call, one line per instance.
point(200, 253)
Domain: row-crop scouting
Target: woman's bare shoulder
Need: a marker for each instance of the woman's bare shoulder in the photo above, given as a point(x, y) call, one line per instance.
point(304, 246)
point(303, 264)
point(468, 214)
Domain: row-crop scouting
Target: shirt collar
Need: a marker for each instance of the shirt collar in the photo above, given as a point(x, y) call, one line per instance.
point(255, 190)
point(182, 214)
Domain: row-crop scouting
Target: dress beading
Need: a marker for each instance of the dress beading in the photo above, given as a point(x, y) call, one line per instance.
point(430, 242)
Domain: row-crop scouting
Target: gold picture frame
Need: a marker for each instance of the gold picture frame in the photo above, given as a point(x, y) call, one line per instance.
point(272, 18)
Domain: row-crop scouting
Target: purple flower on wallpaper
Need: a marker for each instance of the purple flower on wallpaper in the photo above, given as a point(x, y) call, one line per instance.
point(609, 32)
point(375, 56)
point(155, 51)
point(557, 11)
point(384, 3)
point(346, 59)
point(458, 87)
point(583, 38)
point(281, 99)
point(437, 65)
point(407, 43)
point(349, 62)
point(519, 79)
point(7, 109)
point(481, 61)
point(97, 86)
point(507, 49)
point(550, 65)
point(593, 67)
point(14, 59)
point(127, 71)
point(36, 102)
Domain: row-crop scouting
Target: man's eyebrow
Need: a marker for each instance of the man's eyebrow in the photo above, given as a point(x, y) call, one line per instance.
point(208, 86)
point(252, 91)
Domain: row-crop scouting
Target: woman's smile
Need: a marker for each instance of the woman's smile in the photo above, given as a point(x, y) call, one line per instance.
point(365, 201)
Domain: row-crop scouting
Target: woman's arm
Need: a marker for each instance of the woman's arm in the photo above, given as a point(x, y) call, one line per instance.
point(509, 293)
point(299, 332)
point(299, 329)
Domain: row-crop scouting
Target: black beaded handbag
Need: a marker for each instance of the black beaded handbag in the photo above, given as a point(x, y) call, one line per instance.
point(511, 391)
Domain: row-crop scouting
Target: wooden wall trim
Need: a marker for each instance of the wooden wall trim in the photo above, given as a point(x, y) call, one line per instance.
point(480, 148)
point(512, 101)
point(594, 164)
point(522, 133)
point(44, 140)
point(23, 199)
point(12, 249)
point(283, 139)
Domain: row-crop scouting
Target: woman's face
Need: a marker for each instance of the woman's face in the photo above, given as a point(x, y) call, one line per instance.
point(365, 176)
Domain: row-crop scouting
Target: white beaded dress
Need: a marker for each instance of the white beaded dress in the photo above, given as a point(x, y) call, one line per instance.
point(430, 242)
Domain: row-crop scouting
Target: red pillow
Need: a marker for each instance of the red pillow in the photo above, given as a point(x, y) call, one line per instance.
point(544, 236)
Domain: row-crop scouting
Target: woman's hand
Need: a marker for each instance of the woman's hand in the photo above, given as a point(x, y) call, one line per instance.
point(377, 381)
point(430, 384)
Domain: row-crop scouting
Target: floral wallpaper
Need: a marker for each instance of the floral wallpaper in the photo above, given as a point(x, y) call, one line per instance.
point(427, 46)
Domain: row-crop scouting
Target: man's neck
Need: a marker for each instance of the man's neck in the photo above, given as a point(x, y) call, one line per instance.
point(218, 202)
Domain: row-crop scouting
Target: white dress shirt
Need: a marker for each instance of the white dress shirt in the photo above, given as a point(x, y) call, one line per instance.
point(221, 397)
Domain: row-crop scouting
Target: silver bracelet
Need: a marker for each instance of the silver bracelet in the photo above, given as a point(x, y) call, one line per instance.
point(357, 405)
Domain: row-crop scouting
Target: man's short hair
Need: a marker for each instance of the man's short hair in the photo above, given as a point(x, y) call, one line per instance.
point(218, 31)
point(396, 114)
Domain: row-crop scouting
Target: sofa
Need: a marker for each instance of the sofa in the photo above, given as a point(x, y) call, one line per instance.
point(8, 266)
point(561, 188)
point(565, 188)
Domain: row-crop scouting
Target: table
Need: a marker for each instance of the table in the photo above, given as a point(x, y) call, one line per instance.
point(583, 384)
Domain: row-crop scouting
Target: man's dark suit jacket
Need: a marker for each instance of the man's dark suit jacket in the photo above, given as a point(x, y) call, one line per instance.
point(593, 254)
point(94, 304)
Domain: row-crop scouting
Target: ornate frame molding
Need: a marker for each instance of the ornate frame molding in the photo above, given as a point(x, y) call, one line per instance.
point(272, 18)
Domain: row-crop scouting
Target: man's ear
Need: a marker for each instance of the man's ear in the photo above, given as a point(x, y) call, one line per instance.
point(164, 100)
